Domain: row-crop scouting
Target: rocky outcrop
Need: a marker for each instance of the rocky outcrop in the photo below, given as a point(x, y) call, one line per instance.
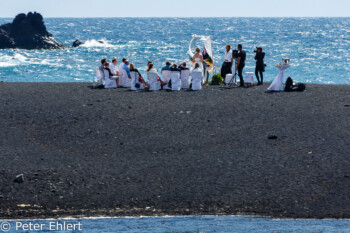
point(27, 32)
point(77, 43)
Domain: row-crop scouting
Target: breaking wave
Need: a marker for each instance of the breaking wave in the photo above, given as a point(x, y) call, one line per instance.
point(97, 43)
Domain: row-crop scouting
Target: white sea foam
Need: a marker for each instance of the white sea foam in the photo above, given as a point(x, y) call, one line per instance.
point(6, 64)
point(17, 59)
point(97, 43)
point(20, 57)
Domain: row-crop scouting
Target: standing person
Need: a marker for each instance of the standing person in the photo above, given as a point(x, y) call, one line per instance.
point(260, 66)
point(228, 62)
point(242, 56)
point(197, 57)
point(205, 57)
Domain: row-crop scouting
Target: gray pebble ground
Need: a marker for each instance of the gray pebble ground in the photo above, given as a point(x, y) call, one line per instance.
point(95, 152)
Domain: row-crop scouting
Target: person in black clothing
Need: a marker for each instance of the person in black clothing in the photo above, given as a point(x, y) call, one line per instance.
point(242, 56)
point(108, 69)
point(260, 67)
point(183, 66)
point(110, 73)
point(205, 57)
point(174, 68)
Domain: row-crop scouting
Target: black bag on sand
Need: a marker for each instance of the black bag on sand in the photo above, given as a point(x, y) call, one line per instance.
point(299, 87)
point(289, 85)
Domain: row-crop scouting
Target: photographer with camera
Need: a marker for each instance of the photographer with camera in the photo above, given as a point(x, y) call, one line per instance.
point(242, 56)
point(228, 62)
point(260, 66)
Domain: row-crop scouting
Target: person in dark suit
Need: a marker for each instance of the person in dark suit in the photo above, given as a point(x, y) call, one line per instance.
point(242, 56)
point(205, 57)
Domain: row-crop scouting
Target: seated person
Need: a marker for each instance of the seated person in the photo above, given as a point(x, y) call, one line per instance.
point(196, 75)
point(141, 80)
point(102, 66)
point(183, 66)
point(111, 75)
point(126, 68)
point(174, 68)
point(166, 75)
point(167, 66)
point(122, 64)
point(153, 77)
point(174, 82)
point(113, 67)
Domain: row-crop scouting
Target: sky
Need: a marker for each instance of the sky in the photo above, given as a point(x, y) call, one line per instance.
point(178, 8)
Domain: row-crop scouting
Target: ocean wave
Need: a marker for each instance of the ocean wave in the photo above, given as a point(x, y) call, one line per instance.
point(6, 64)
point(97, 43)
point(17, 59)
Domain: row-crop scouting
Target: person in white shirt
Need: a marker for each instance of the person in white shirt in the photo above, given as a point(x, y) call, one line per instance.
point(122, 64)
point(113, 67)
point(228, 62)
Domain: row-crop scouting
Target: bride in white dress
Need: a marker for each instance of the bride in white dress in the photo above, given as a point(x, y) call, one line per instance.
point(198, 58)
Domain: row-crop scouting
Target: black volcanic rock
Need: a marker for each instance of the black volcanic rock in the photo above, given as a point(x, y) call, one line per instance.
point(27, 32)
point(77, 43)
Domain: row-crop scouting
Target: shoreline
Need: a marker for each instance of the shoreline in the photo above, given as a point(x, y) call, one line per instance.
point(89, 84)
point(88, 152)
point(174, 216)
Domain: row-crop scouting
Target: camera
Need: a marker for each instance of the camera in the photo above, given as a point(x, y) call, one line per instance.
point(255, 51)
point(235, 54)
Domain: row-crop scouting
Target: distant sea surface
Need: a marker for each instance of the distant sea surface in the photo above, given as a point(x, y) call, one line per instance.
point(319, 47)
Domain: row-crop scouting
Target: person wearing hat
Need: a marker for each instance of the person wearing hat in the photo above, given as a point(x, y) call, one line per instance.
point(260, 66)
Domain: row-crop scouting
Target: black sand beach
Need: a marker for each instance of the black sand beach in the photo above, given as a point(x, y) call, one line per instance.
point(88, 152)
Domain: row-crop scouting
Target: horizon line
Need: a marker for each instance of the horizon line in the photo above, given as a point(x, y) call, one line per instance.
point(79, 17)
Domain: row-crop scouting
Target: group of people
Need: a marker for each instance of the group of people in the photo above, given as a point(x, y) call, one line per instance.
point(173, 76)
point(240, 57)
point(176, 77)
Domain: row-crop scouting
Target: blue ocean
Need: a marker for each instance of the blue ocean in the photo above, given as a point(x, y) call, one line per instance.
point(203, 224)
point(318, 47)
